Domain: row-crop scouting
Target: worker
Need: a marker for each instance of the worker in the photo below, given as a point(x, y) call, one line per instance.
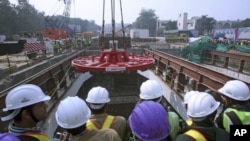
point(186, 98)
point(151, 90)
point(27, 107)
point(148, 122)
point(72, 114)
point(8, 137)
point(202, 109)
point(97, 100)
point(235, 95)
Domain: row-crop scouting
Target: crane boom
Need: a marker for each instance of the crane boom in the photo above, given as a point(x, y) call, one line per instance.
point(58, 28)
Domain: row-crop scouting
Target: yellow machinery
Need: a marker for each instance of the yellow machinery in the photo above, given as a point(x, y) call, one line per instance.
point(175, 37)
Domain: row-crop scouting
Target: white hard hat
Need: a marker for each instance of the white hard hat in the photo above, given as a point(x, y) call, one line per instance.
point(202, 105)
point(98, 95)
point(188, 95)
point(24, 95)
point(151, 89)
point(236, 89)
point(72, 112)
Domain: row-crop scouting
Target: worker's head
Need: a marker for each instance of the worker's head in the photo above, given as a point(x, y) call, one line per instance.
point(187, 97)
point(148, 121)
point(97, 98)
point(202, 106)
point(234, 91)
point(26, 103)
point(72, 114)
point(8, 137)
point(151, 90)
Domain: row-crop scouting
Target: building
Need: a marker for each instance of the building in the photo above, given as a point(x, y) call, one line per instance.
point(139, 33)
point(161, 26)
point(182, 21)
point(223, 24)
point(191, 23)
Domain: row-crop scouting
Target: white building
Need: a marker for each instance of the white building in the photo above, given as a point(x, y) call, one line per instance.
point(139, 33)
point(191, 23)
point(161, 24)
point(182, 21)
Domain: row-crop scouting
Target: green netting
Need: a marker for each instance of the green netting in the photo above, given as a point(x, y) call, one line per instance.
point(243, 48)
point(222, 47)
point(194, 50)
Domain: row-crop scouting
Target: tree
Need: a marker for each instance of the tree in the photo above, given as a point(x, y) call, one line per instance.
point(205, 24)
point(245, 23)
point(23, 17)
point(147, 20)
point(7, 18)
point(171, 25)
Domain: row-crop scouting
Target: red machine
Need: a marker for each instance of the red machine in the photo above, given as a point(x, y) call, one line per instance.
point(55, 34)
point(112, 60)
point(57, 28)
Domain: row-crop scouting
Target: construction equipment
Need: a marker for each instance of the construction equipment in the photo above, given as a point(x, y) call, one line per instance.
point(175, 37)
point(57, 29)
point(113, 59)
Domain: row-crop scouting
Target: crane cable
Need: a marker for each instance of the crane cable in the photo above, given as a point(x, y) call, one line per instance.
point(113, 21)
point(123, 32)
point(56, 8)
point(103, 23)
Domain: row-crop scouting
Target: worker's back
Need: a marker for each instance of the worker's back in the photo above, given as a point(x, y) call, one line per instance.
point(97, 135)
point(98, 99)
point(103, 121)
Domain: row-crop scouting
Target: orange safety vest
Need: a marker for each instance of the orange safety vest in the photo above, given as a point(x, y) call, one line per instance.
point(106, 124)
point(196, 135)
point(39, 136)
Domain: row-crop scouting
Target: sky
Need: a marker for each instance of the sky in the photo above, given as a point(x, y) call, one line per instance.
point(164, 9)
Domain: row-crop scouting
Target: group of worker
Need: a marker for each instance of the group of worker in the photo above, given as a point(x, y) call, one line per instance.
point(88, 120)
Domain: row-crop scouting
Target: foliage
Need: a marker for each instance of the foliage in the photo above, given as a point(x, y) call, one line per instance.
point(23, 17)
point(171, 25)
point(243, 23)
point(205, 24)
point(246, 23)
point(147, 20)
point(7, 18)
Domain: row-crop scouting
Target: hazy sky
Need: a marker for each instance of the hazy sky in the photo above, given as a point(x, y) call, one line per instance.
point(164, 9)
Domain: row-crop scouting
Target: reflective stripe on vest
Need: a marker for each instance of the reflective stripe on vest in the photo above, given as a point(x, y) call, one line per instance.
point(189, 122)
point(106, 123)
point(196, 135)
point(243, 116)
point(39, 136)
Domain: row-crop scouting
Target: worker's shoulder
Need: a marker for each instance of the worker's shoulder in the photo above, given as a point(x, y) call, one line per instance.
point(173, 114)
point(183, 137)
point(120, 118)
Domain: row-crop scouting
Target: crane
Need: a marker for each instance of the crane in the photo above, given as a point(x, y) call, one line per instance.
point(58, 28)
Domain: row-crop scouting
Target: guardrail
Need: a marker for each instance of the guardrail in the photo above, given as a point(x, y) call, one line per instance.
point(178, 72)
point(53, 81)
point(236, 62)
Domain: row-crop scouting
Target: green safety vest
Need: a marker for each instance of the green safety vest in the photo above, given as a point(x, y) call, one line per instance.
point(196, 135)
point(173, 119)
point(106, 123)
point(39, 136)
point(243, 116)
